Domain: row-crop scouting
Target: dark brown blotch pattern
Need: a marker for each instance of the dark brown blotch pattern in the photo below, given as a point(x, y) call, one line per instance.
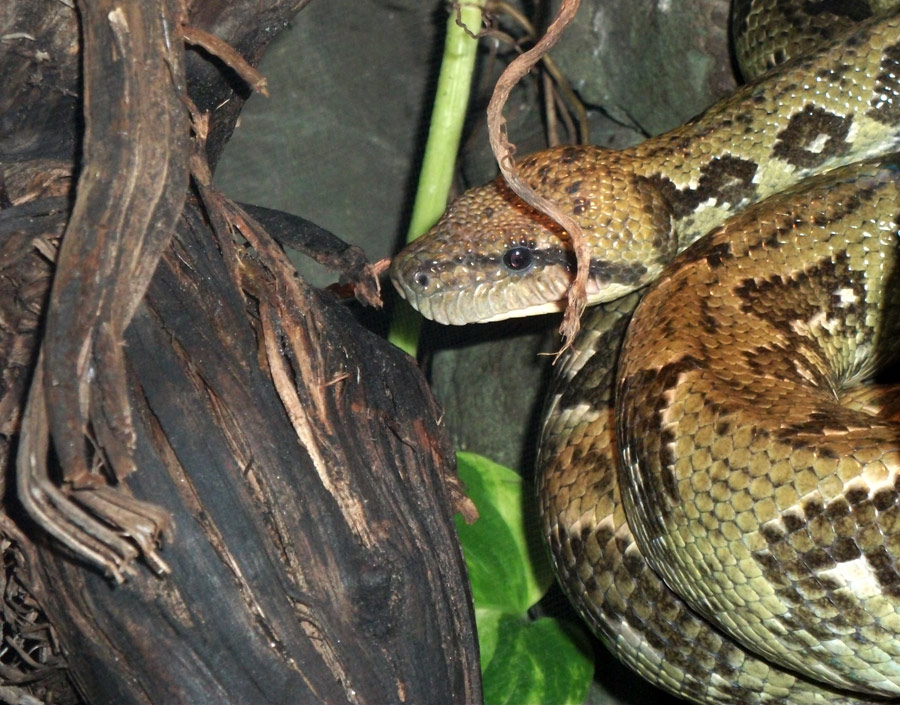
point(783, 299)
point(725, 180)
point(652, 440)
point(812, 136)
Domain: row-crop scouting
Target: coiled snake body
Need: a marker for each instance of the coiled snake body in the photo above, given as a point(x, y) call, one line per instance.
point(723, 504)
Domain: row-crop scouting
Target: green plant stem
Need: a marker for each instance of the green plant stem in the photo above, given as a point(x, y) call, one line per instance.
point(445, 130)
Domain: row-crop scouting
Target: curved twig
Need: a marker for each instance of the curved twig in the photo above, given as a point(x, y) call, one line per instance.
point(504, 151)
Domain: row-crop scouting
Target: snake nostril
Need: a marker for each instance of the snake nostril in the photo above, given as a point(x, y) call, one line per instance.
point(421, 279)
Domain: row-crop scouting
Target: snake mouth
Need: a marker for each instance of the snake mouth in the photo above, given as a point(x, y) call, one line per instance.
point(458, 292)
point(458, 295)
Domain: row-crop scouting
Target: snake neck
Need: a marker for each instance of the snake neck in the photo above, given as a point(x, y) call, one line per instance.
point(809, 117)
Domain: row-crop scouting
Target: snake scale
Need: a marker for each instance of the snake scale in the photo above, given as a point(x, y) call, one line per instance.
point(720, 492)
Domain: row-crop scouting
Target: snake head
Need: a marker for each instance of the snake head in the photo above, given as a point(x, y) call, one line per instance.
point(491, 256)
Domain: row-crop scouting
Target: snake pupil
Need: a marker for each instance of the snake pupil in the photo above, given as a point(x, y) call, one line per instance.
point(518, 259)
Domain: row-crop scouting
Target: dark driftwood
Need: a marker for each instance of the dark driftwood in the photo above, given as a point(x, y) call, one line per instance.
point(272, 478)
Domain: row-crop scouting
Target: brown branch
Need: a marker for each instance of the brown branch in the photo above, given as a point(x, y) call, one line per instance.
point(224, 52)
point(359, 279)
point(556, 85)
point(504, 152)
point(130, 193)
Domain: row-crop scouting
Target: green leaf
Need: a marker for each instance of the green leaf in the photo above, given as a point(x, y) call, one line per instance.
point(507, 572)
point(543, 662)
point(537, 663)
point(487, 622)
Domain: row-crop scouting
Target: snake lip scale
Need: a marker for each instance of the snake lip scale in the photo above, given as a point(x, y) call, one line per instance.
point(718, 478)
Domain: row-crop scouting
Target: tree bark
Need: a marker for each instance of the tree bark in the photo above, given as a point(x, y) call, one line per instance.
point(284, 533)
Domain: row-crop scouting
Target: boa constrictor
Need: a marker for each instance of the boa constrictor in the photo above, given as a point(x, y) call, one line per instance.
point(723, 503)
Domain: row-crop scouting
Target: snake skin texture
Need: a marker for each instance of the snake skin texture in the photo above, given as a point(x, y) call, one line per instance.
point(720, 493)
point(767, 32)
point(756, 495)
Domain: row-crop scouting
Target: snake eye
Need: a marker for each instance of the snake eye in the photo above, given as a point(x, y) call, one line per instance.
point(421, 279)
point(518, 259)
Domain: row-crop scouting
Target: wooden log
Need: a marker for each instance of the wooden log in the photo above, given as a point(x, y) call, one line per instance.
point(295, 461)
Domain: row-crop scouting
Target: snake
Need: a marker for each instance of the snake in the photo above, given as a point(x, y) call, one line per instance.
point(718, 475)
